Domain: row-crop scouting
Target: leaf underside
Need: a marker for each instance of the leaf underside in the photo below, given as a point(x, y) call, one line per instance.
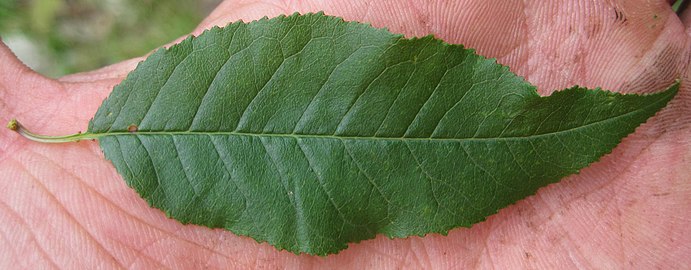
point(309, 132)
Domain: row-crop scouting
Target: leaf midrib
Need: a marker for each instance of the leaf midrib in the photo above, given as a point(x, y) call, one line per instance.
point(335, 137)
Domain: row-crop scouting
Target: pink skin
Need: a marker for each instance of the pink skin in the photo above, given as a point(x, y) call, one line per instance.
point(64, 206)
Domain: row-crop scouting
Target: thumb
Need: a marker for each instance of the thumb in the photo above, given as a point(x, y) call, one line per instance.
point(15, 78)
point(44, 105)
point(11, 64)
point(21, 89)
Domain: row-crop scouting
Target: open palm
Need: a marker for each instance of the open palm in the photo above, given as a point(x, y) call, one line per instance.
point(64, 206)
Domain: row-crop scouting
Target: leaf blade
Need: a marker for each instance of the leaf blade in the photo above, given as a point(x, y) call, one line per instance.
point(353, 132)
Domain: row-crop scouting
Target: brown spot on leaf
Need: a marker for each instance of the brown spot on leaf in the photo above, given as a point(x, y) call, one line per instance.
point(132, 128)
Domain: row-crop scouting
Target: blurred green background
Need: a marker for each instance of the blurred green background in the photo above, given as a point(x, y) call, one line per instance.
point(59, 37)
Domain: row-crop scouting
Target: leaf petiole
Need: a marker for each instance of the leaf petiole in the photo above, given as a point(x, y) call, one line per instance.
point(16, 126)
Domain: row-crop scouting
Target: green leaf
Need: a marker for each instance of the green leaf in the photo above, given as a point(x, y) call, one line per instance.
point(309, 133)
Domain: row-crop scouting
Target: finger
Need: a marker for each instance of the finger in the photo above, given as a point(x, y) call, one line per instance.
point(630, 46)
point(554, 45)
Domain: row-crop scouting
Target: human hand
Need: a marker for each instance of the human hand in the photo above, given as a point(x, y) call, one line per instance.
point(65, 206)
